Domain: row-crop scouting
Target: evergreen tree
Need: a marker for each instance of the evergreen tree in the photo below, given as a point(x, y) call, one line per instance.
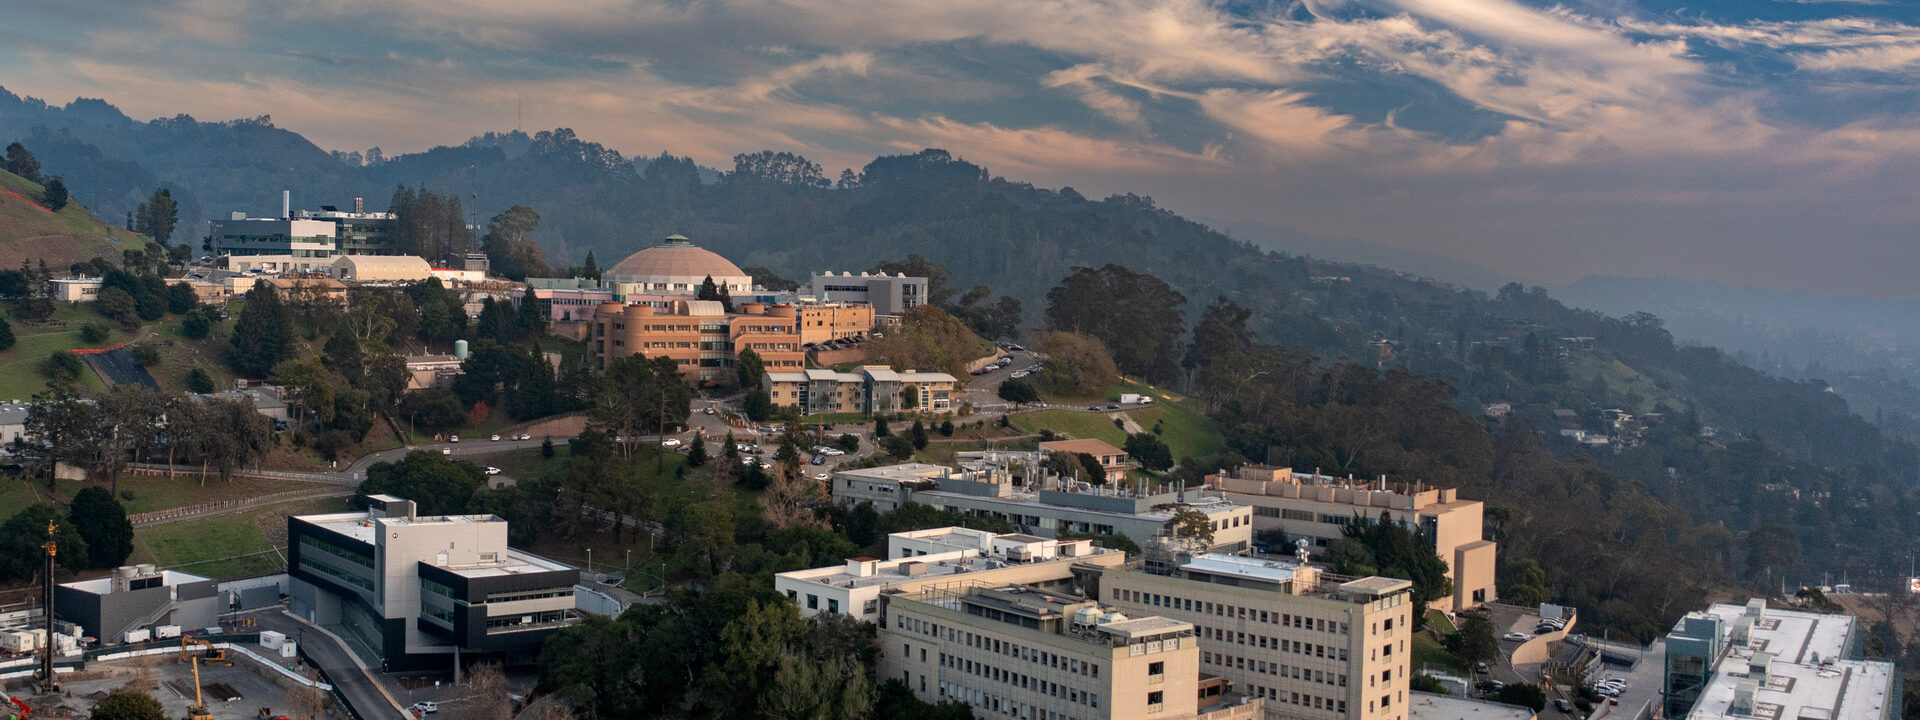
point(22, 162)
point(592, 268)
point(697, 451)
point(880, 427)
point(495, 324)
point(181, 298)
point(6, 334)
point(198, 380)
point(918, 433)
point(264, 335)
point(533, 324)
point(343, 354)
point(157, 216)
point(55, 197)
point(750, 368)
point(103, 522)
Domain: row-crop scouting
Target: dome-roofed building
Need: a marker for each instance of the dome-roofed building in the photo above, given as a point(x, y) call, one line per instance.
point(674, 267)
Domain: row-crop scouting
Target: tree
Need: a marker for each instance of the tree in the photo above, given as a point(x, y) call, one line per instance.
point(63, 367)
point(157, 216)
point(342, 352)
point(1475, 642)
point(751, 369)
point(116, 304)
point(23, 536)
point(848, 442)
point(697, 451)
point(1149, 450)
point(55, 195)
point(591, 269)
point(435, 483)
point(234, 434)
point(1137, 316)
point(511, 252)
point(6, 334)
point(103, 523)
point(126, 704)
point(899, 447)
point(880, 426)
point(21, 161)
point(1190, 523)
point(199, 381)
point(1018, 392)
point(1527, 694)
point(263, 337)
point(181, 298)
point(918, 434)
point(196, 325)
point(1096, 473)
point(1078, 364)
point(533, 323)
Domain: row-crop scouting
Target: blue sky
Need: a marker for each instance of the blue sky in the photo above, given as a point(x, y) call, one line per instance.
point(1760, 142)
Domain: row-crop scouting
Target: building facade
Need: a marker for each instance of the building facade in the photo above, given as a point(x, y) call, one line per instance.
point(290, 237)
point(888, 294)
point(948, 557)
point(868, 389)
point(1113, 461)
point(825, 321)
point(674, 267)
point(1313, 647)
point(1319, 507)
point(700, 336)
point(412, 590)
point(565, 299)
point(1022, 652)
point(137, 597)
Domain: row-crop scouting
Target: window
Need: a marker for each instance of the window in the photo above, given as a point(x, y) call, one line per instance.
point(1156, 697)
point(1156, 668)
point(813, 601)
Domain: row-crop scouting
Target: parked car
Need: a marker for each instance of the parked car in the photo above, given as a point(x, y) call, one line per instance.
point(1113, 407)
point(453, 438)
point(1490, 685)
point(1515, 637)
point(819, 460)
point(446, 451)
point(491, 470)
point(426, 706)
point(1562, 705)
point(833, 452)
point(524, 436)
point(670, 442)
point(495, 438)
point(823, 477)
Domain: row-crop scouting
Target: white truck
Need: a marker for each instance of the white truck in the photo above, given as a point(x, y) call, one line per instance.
point(1132, 399)
point(166, 632)
point(138, 636)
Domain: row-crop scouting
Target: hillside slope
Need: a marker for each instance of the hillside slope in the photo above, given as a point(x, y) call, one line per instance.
point(30, 232)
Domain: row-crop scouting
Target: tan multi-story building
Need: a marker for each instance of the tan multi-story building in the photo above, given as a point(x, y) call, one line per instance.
point(1312, 648)
point(1318, 508)
point(700, 335)
point(868, 389)
point(1022, 652)
point(824, 321)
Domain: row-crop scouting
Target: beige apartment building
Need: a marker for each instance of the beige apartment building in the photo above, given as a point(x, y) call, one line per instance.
point(1319, 507)
point(1313, 646)
point(1022, 652)
point(868, 389)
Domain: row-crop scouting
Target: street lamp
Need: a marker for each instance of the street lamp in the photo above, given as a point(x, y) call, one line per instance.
point(589, 561)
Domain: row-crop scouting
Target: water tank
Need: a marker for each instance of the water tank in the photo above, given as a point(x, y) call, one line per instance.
point(460, 349)
point(1112, 617)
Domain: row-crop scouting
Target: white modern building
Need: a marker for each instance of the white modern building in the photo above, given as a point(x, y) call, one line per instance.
point(942, 557)
point(292, 237)
point(1752, 661)
point(1043, 506)
point(414, 591)
point(888, 294)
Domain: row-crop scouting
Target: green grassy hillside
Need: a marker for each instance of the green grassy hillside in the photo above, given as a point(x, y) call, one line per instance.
point(29, 232)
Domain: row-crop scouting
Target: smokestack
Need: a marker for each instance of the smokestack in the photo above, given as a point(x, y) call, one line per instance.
point(286, 204)
point(359, 205)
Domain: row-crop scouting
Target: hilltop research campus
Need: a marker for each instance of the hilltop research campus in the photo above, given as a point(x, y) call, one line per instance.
point(1041, 623)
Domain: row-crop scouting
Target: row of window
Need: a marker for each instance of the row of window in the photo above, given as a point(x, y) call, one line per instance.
point(539, 618)
point(436, 612)
point(1019, 680)
point(1280, 670)
point(529, 595)
point(1272, 643)
point(313, 563)
point(308, 542)
point(1203, 607)
point(992, 703)
point(1303, 700)
point(1039, 658)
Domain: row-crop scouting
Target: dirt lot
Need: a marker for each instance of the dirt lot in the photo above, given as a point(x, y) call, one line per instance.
point(170, 682)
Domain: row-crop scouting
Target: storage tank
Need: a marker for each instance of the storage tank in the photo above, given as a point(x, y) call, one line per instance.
point(460, 349)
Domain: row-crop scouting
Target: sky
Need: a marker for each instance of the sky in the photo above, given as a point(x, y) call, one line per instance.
point(1771, 143)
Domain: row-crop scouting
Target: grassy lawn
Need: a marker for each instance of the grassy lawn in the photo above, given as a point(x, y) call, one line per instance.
point(1075, 423)
point(1186, 431)
point(1621, 380)
point(150, 492)
point(227, 545)
point(1438, 620)
point(20, 374)
point(1427, 652)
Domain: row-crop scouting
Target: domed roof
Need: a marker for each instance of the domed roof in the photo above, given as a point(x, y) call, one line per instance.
point(675, 257)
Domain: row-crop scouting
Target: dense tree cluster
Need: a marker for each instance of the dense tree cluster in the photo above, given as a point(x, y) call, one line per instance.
point(927, 338)
point(1138, 317)
point(429, 224)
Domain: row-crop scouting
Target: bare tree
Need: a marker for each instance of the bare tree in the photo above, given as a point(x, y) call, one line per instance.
point(488, 686)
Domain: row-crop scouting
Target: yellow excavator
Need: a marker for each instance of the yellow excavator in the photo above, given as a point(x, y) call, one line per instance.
point(199, 709)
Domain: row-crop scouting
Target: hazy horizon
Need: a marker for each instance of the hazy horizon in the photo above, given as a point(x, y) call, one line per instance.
point(1768, 144)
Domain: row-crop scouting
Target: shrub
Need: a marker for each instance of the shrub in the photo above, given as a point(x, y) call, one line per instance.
point(146, 355)
point(94, 333)
point(63, 367)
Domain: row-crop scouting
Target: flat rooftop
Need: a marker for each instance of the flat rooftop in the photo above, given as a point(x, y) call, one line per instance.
point(903, 471)
point(1246, 567)
point(938, 565)
point(1807, 677)
point(513, 562)
point(359, 525)
point(1203, 503)
point(1433, 706)
point(104, 585)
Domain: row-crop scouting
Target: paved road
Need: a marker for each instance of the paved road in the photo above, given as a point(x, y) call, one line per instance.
point(355, 683)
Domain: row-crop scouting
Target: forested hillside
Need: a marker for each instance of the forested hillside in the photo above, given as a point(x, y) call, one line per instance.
point(1710, 472)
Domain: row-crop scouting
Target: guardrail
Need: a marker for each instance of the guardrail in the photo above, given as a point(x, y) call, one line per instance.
point(159, 517)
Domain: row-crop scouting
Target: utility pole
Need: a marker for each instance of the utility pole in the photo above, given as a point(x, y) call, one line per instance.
point(47, 679)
